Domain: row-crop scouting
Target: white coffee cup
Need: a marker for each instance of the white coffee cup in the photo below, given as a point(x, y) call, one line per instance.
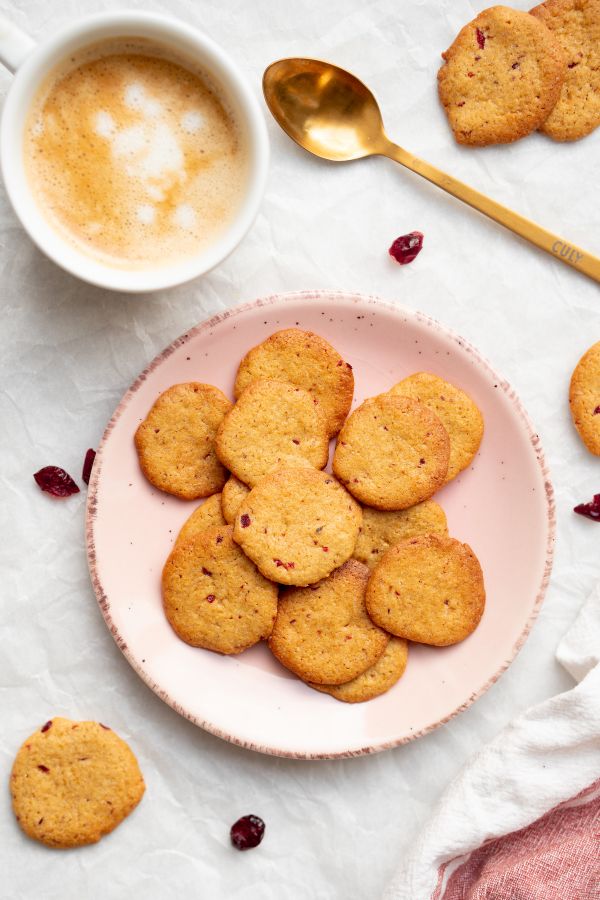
point(32, 62)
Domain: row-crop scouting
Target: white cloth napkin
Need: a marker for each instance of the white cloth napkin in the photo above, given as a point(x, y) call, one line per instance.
point(545, 758)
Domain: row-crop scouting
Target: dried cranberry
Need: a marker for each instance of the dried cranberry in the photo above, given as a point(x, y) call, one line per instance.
point(596, 411)
point(106, 728)
point(247, 832)
point(590, 510)
point(407, 247)
point(245, 520)
point(43, 768)
point(480, 38)
point(56, 481)
point(205, 571)
point(515, 65)
point(286, 565)
point(211, 598)
point(88, 462)
point(46, 726)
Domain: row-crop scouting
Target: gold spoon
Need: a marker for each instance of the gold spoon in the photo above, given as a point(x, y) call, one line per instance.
point(332, 114)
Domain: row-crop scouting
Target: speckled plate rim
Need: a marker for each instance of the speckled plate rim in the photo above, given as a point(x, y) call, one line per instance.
point(316, 296)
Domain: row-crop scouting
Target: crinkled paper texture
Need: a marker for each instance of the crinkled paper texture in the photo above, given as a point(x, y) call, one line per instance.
point(69, 351)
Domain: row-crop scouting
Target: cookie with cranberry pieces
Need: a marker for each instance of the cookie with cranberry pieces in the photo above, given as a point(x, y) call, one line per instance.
point(501, 77)
point(382, 528)
point(176, 441)
point(214, 596)
point(584, 398)
point(232, 495)
point(207, 514)
point(456, 411)
point(308, 361)
point(298, 525)
point(376, 680)
point(74, 782)
point(392, 452)
point(271, 420)
point(428, 589)
point(323, 632)
point(576, 26)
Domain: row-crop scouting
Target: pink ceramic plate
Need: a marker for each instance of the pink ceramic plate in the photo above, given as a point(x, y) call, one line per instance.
point(502, 506)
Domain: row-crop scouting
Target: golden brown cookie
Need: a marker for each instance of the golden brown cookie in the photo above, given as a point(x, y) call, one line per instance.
point(427, 589)
point(207, 514)
point(176, 441)
point(456, 411)
point(392, 452)
point(501, 77)
point(323, 632)
point(584, 398)
point(377, 679)
point(271, 419)
point(73, 782)
point(234, 492)
point(213, 595)
point(298, 525)
point(308, 361)
point(382, 528)
point(576, 26)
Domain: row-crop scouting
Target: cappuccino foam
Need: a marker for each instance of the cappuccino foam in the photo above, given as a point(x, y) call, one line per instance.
point(133, 156)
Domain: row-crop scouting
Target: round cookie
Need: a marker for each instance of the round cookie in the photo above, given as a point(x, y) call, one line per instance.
point(392, 452)
point(214, 597)
point(382, 529)
point(308, 361)
point(576, 26)
point(176, 441)
point(501, 77)
point(378, 679)
point(456, 411)
point(207, 514)
point(270, 420)
point(427, 589)
point(74, 782)
point(323, 632)
point(298, 525)
point(584, 398)
point(234, 492)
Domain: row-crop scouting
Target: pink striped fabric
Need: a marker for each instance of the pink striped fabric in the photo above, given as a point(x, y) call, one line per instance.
point(555, 858)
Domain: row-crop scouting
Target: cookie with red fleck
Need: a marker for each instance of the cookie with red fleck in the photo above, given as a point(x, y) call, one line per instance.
point(298, 525)
point(456, 411)
point(232, 495)
point(308, 361)
point(176, 441)
point(584, 398)
point(74, 782)
point(382, 528)
point(323, 632)
point(501, 77)
point(576, 26)
point(427, 589)
point(392, 452)
point(377, 679)
point(207, 514)
point(271, 420)
point(214, 596)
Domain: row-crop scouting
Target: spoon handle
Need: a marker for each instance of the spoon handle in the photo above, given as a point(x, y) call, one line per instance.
point(564, 250)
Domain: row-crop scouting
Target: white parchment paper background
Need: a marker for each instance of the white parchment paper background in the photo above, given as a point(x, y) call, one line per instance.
point(69, 351)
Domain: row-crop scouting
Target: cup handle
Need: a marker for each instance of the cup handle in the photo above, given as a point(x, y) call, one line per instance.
point(15, 44)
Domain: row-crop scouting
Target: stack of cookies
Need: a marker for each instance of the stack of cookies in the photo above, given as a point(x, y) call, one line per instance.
point(337, 570)
point(509, 73)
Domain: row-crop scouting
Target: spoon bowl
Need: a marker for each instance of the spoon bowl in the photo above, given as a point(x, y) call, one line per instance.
point(325, 109)
point(332, 114)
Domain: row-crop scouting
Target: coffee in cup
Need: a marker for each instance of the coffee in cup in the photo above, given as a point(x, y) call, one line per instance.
point(133, 156)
